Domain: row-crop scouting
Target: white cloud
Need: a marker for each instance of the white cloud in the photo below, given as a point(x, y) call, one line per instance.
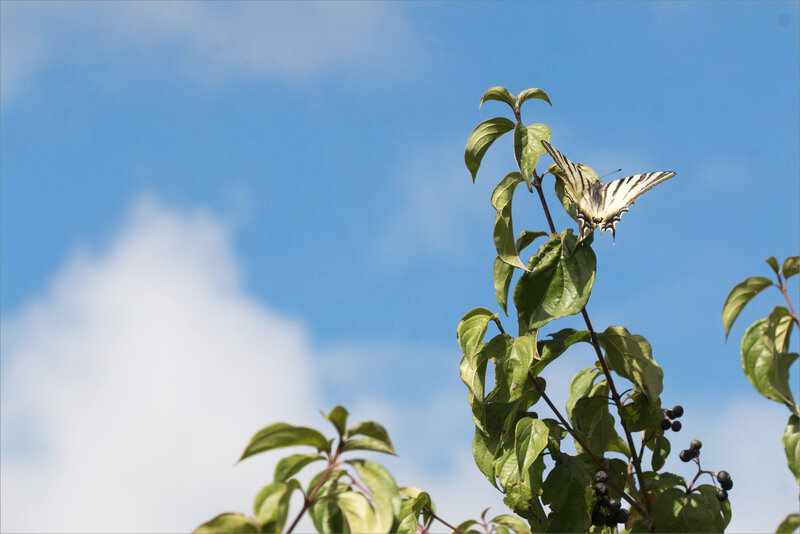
point(131, 386)
point(210, 43)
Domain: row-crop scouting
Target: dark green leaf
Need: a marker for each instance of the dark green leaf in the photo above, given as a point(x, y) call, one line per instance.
point(640, 413)
point(661, 448)
point(526, 237)
point(555, 435)
point(287, 467)
point(700, 511)
point(503, 225)
point(740, 295)
point(481, 139)
point(789, 524)
point(594, 422)
point(567, 490)
point(338, 417)
point(558, 284)
point(227, 523)
point(570, 207)
point(502, 273)
point(511, 367)
point(528, 147)
point(527, 94)
point(550, 349)
point(483, 451)
point(631, 357)
point(657, 483)
point(280, 435)
point(791, 444)
point(271, 505)
point(530, 439)
point(772, 262)
point(791, 266)
point(500, 94)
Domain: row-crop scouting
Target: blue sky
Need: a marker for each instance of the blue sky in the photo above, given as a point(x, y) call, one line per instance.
point(309, 157)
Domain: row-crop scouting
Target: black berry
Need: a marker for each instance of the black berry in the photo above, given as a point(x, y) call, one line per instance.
point(695, 445)
point(602, 500)
point(722, 495)
point(725, 480)
point(686, 455)
point(601, 476)
point(621, 515)
point(676, 426)
point(600, 488)
point(669, 414)
point(611, 520)
point(614, 504)
point(598, 518)
point(677, 411)
point(665, 424)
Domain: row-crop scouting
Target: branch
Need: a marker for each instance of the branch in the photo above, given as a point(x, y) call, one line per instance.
point(442, 521)
point(782, 287)
point(332, 464)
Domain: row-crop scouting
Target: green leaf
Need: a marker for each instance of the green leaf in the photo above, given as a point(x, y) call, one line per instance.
point(640, 413)
point(289, 466)
point(408, 521)
point(528, 147)
point(503, 225)
point(791, 444)
point(791, 266)
point(502, 273)
point(526, 237)
point(271, 505)
point(558, 284)
point(740, 295)
point(471, 329)
point(530, 439)
point(512, 522)
point(592, 419)
point(324, 513)
point(700, 511)
point(500, 94)
point(227, 523)
point(481, 139)
point(512, 362)
point(357, 511)
point(789, 524)
point(764, 358)
point(570, 207)
point(527, 94)
point(657, 483)
point(661, 448)
point(772, 262)
point(280, 435)
point(483, 451)
point(580, 386)
point(368, 444)
point(631, 357)
point(550, 349)
point(382, 486)
point(338, 417)
point(464, 526)
point(567, 490)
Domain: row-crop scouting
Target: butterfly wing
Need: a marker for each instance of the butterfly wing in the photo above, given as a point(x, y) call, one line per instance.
point(581, 188)
point(620, 194)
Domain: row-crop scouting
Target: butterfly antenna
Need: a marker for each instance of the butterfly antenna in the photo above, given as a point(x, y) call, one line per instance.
point(612, 172)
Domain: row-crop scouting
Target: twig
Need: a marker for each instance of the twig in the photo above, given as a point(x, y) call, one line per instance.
point(499, 326)
point(442, 521)
point(310, 499)
point(782, 287)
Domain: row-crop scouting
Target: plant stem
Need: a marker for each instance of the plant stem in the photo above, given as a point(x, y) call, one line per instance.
point(332, 464)
point(637, 463)
point(445, 523)
point(782, 287)
point(577, 438)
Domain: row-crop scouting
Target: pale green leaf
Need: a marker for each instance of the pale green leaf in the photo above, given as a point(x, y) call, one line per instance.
point(500, 94)
point(228, 523)
point(289, 466)
point(631, 357)
point(791, 445)
point(271, 505)
point(530, 439)
point(357, 512)
point(338, 417)
point(280, 435)
point(511, 368)
point(383, 488)
point(502, 274)
point(503, 226)
point(471, 329)
point(764, 358)
point(512, 522)
point(528, 147)
point(740, 295)
point(790, 524)
point(481, 139)
point(368, 444)
point(527, 94)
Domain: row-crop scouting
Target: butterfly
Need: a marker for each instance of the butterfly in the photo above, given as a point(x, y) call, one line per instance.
point(599, 204)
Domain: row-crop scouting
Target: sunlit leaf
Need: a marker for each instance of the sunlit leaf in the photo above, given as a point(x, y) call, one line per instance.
point(631, 357)
point(383, 488)
point(791, 266)
point(227, 523)
point(503, 226)
point(481, 139)
point(740, 295)
point(528, 147)
point(791, 445)
point(357, 511)
point(280, 435)
point(530, 439)
point(512, 522)
point(500, 94)
point(289, 466)
point(502, 274)
point(271, 505)
point(511, 367)
point(790, 524)
point(527, 94)
point(338, 417)
point(764, 357)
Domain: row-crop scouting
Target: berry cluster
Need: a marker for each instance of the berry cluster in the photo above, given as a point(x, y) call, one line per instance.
point(726, 483)
point(668, 422)
point(692, 452)
point(607, 511)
